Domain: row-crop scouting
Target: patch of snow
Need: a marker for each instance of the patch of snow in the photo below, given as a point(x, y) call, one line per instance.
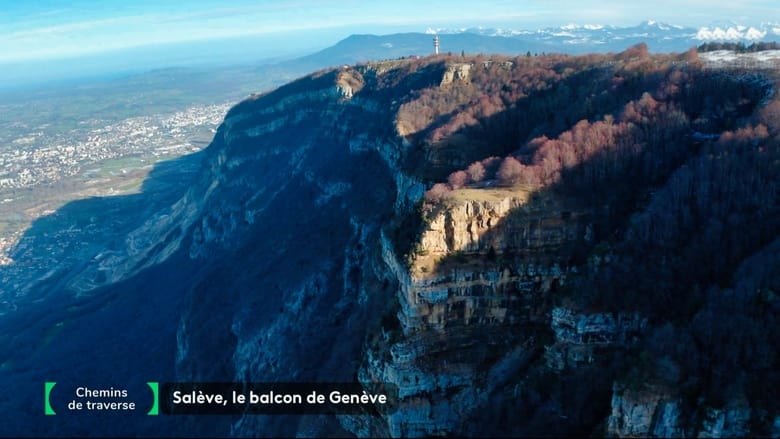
point(717, 34)
point(719, 55)
point(650, 29)
point(509, 32)
point(754, 34)
point(766, 58)
point(767, 55)
point(732, 33)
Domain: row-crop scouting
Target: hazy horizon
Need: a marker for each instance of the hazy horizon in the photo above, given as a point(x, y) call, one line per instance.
point(44, 40)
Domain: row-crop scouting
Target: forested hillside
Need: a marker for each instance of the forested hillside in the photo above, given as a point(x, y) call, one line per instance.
point(676, 165)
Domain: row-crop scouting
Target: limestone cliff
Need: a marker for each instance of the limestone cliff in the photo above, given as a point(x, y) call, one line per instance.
point(304, 251)
point(649, 412)
point(458, 72)
point(656, 411)
point(472, 305)
point(579, 336)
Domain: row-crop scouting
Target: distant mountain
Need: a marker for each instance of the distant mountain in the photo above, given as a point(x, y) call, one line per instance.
point(766, 32)
point(571, 38)
point(360, 48)
point(576, 38)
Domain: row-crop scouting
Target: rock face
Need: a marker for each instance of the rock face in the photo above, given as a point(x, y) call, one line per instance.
point(246, 282)
point(655, 411)
point(322, 279)
point(579, 336)
point(730, 421)
point(467, 323)
point(446, 289)
point(459, 73)
point(645, 413)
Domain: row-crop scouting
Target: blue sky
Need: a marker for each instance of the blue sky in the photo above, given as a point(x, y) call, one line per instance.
point(48, 29)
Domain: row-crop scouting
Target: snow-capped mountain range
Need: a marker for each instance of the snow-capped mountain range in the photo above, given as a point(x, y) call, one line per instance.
point(660, 36)
point(570, 39)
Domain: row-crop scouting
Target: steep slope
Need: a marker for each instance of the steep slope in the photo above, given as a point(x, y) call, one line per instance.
point(265, 269)
point(306, 248)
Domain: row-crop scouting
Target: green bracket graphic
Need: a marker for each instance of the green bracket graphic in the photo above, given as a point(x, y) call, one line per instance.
point(155, 410)
point(47, 405)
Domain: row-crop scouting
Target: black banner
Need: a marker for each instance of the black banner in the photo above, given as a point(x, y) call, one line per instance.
point(277, 398)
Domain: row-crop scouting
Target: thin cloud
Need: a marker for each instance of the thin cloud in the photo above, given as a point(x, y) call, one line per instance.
point(29, 33)
point(59, 30)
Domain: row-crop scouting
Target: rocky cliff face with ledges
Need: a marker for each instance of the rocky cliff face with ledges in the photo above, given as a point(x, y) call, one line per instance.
point(306, 249)
point(472, 308)
point(656, 412)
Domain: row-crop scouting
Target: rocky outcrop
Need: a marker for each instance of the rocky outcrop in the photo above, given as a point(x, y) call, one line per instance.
point(649, 412)
point(467, 226)
point(656, 411)
point(471, 306)
point(480, 262)
point(579, 336)
point(730, 421)
point(456, 73)
point(348, 82)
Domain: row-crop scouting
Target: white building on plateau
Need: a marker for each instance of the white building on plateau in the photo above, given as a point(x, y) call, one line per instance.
point(436, 45)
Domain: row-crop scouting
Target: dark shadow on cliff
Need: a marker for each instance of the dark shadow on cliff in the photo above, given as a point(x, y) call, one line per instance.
point(302, 266)
point(52, 248)
point(269, 284)
point(122, 337)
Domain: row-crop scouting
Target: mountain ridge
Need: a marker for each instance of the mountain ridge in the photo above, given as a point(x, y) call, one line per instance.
point(571, 39)
point(604, 37)
point(305, 249)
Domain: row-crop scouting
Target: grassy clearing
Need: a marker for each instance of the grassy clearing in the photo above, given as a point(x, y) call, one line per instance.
point(491, 194)
point(119, 166)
